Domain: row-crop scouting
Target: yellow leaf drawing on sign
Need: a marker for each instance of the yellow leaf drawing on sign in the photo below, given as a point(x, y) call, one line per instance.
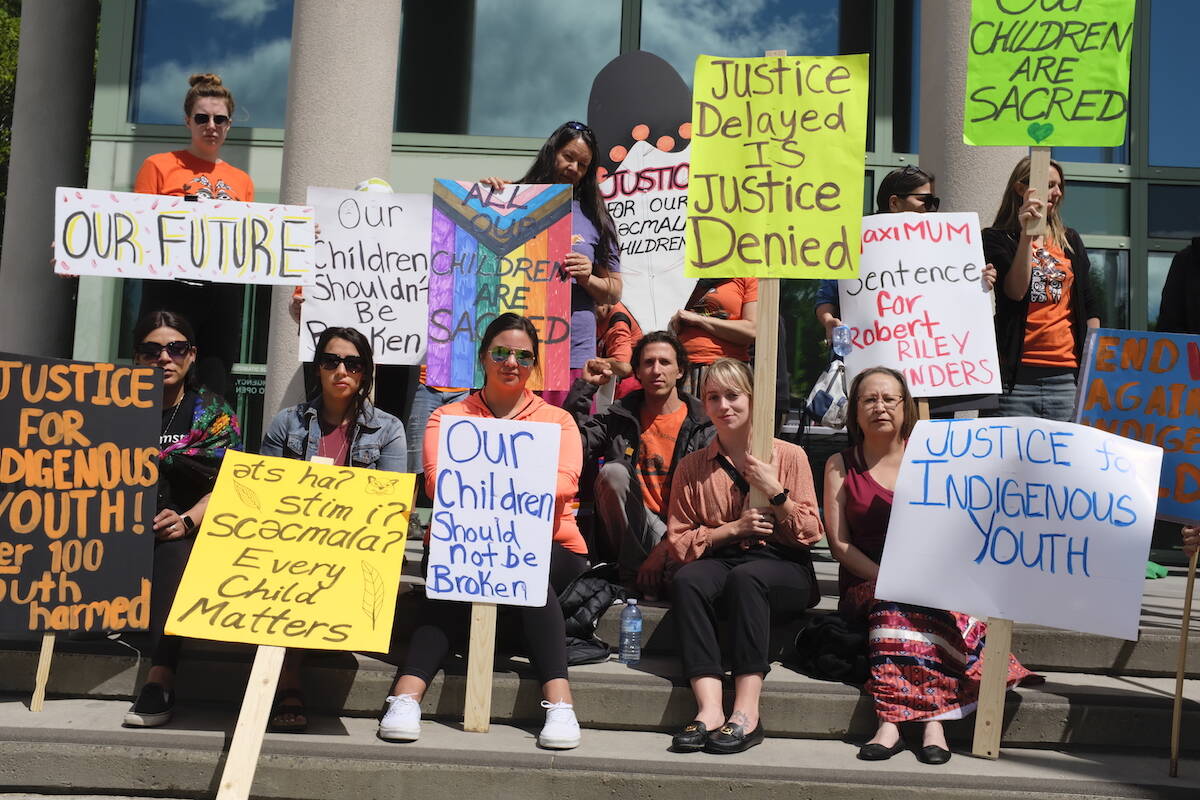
point(372, 592)
point(247, 495)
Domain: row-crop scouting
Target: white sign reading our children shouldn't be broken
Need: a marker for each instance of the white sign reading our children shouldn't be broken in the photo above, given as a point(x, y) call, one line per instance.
point(919, 304)
point(1024, 519)
point(493, 511)
point(157, 237)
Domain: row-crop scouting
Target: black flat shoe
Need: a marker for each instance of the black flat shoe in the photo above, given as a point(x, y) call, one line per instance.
point(732, 738)
point(877, 752)
point(932, 754)
point(691, 737)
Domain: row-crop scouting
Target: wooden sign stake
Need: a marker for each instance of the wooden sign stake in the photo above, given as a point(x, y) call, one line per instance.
point(38, 701)
point(477, 715)
point(989, 716)
point(242, 760)
point(1181, 668)
point(1039, 181)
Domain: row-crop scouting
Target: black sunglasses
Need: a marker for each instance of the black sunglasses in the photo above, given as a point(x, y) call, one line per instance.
point(578, 126)
point(219, 120)
point(330, 362)
point(931, 201)
point(150, 351)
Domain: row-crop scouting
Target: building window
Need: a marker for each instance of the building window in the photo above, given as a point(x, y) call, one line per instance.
point(1174, 93)
point(501, 67)
point(1174, 211)
point(1110, 282)
point(1157, 265)
point(248, 44)
point(1097, 208)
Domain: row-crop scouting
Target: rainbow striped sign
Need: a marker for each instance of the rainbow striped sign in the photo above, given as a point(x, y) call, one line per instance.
point(493, 252)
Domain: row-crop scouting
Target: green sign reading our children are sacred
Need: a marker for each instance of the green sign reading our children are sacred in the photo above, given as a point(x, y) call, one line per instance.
point(1048, 72)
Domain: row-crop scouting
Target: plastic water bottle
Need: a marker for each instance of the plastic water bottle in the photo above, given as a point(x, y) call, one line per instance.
point(841, 340)
point(631, 633)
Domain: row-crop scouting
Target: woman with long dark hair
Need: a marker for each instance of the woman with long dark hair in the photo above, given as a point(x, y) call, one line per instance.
point(1045, 303)
point(197, 428)
point(342, 425)
point(508, 353)
point(569, 155)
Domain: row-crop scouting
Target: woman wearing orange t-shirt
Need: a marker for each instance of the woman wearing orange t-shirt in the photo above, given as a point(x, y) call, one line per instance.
point(1044, 300)
point(717, 322)
point(198, 172)
point(508, 354)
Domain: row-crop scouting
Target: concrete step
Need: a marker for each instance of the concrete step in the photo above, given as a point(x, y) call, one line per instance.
point(77, 747)
point(1071, 710)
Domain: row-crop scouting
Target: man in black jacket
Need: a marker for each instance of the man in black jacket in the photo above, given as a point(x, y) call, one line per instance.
point(641, 438)
point(1179, 309)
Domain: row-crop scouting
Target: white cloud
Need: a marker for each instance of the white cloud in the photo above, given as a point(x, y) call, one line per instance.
point(242, 12)
point(258, 80)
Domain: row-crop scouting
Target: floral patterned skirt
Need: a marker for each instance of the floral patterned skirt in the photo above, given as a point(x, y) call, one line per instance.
point(925, 663)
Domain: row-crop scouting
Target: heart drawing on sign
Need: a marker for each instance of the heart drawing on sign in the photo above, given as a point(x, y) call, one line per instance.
point(1040, 131)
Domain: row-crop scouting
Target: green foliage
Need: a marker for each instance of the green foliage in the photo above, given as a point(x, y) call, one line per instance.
point(808, 354)
point(10, 28)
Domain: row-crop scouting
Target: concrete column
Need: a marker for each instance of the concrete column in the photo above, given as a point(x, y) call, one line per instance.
point(969, 178)
point(341, 102)
point(49, 139)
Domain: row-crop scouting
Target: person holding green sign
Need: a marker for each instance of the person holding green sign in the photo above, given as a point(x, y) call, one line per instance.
point(1045, 303)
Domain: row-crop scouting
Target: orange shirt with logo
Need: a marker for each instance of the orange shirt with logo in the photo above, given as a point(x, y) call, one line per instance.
point(725, 301)
point(179, 173)
point(659, 433)
point(1049, 337)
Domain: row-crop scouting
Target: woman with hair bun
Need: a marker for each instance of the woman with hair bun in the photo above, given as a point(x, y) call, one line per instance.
point(193, 173)
point(198, 169)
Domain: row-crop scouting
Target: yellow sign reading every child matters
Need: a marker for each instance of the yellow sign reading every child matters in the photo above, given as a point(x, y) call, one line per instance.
point(296, 554)
point(776, 184)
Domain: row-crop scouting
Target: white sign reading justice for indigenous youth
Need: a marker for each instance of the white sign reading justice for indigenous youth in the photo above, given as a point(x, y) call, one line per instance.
point(1024, 519)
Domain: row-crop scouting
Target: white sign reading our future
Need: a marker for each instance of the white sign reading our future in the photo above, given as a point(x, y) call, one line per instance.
point(1025, 519)
point(647, 200)
point(493, 511)
point(160, 237)
point(372, 272)
point(920, 305)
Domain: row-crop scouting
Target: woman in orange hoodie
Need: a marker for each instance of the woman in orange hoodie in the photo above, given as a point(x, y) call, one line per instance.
point(508, 353)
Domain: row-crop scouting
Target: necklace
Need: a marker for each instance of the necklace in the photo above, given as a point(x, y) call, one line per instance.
point(513, 412)
point(171, 421)
point(341, 450)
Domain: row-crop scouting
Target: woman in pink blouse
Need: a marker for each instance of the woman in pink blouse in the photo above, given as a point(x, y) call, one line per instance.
point(751, 562)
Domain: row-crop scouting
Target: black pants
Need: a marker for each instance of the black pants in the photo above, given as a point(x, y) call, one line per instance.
point(543, 628)
point(753, 586)
point(170, 559)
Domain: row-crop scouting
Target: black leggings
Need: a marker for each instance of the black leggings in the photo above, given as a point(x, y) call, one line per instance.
point(754, 586)
point(170, 559)
point(543, 628)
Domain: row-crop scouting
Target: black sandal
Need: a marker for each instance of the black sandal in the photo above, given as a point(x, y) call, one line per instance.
point(280, 711)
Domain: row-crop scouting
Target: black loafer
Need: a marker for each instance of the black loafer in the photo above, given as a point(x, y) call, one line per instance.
point(932, 754)
point(691, 737)
point(877, 752)
point(732, 738)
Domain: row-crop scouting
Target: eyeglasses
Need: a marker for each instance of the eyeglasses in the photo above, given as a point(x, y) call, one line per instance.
point(931, 201)
point(150, 351)
point(220, 120)
point(331, 361)
point(889, 401)
point(501, 354)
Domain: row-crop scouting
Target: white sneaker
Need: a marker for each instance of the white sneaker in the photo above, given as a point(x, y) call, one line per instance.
point(561, 731)
point(402, 721)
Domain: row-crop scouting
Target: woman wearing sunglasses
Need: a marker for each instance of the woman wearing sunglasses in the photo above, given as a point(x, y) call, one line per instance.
point(198, 172)
point(508, 354)
point(198, 169)
point(340, 424)
point(197, 428)
point(925, 663)
point(594, 263)
point(1046, 302)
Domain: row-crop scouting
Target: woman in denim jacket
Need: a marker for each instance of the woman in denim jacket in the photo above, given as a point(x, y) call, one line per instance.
point(340, 424)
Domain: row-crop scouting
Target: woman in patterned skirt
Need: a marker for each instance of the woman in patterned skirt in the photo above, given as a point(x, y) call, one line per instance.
point(925, 663)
